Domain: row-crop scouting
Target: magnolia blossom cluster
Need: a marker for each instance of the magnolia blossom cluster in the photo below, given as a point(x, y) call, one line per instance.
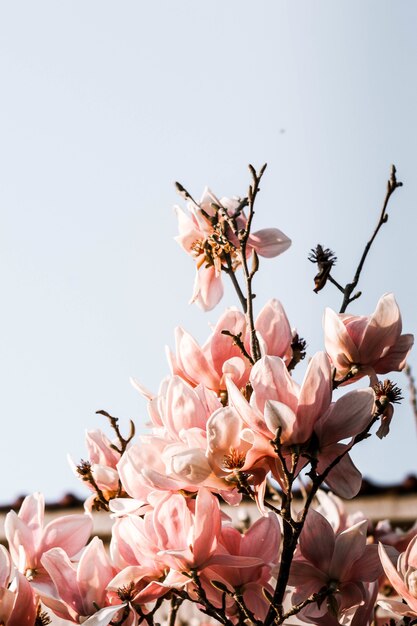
point(230, 422)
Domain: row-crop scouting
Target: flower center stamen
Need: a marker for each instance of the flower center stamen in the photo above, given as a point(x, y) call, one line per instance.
point(234, 460)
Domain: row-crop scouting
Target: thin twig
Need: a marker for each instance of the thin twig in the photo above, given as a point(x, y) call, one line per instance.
point(230, 272)
point(114, 424)
point(175, 605)
point(243, 238)
point(315, 597)
point(291, 532)
point(246, 613)
point(209, 608)
point(85, 471)
point(392, 185)
point(237, 340)
point(292, 528)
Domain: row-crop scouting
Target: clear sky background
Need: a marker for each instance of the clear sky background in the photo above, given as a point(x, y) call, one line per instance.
point(103, 105)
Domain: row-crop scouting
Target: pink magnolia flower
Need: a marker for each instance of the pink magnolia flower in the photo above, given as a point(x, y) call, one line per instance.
point(343, 563)
point(188, 531)
point(29, 539)
point(261, 541)
point(79, 588)
point(173, 457)
point(277, 402)
point(403, 578)
point(18, 603)
point(134, 548)
point(369, 344)
point(219, 357)
point(206, 236)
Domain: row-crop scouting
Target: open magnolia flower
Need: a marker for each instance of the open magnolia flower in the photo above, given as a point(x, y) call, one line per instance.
point(205, 234)
point(367, 345)
point(341, 564)
point(220, 357)
point(403, 578)
point(29, 539)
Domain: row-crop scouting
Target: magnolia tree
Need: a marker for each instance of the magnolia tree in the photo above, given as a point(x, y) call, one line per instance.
point(229, 424)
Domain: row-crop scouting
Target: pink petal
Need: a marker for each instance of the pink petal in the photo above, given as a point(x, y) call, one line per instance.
point(349, 547)
point(7, 602)
point(410, 556)
point(151, 592)
point(189, 230)
point(208, 288)
point(347, 417)
point(183, 407)
point(383, 329)
point(368, 567)
point(255, 600)
point(221, 346)
point(269, 242)
point(191, 466)
point(271, 381)
point(104, 616)
point(5, 567)
point(24, 612)
point(339, 345)
point(352, 595)
point(19, 537)
point(192, 360)
point(250, 415)
point(172, 521)
point(263, 539)
point(317, 540)
point(344, 479)
point(306, 577)
point(64, 576)
point(394, 360)
point(235, 368)
point(129, 574)
point(32, 510)
point(93, 575)
point(396, 607)
point(232, 560)
point(279, 415)
point(223, 433)
point(70, 533)
point(272, 323)
point(207, 526)
point(315, 395)
point(395, 579)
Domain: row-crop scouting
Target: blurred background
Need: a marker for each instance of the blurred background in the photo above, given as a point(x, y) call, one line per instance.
point(103, 106)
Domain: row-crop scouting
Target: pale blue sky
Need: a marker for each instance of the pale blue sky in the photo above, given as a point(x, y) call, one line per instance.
point(103, 105)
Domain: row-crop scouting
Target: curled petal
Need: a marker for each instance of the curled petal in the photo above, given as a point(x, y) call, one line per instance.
point(339, 345)
point(269, 242)
point(273, 325)
point(208, 288)
point(383, 329)
point(344, 479)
